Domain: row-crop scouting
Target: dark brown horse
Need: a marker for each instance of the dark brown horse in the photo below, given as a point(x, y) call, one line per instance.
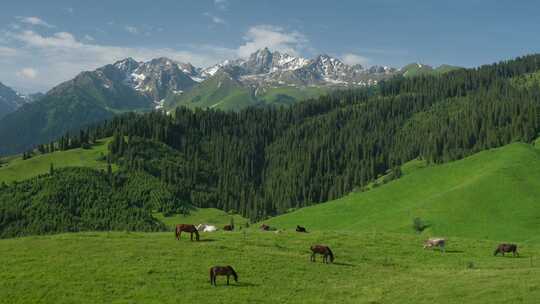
point(222, 271)
point(228, 228)
point(324, 251)
point(505, 248)
point(265, 227)
point(186, 228)
point(300, 229)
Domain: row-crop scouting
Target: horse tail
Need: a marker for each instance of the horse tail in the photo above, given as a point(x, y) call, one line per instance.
point(211, 275)
point(233, 273)
point(331, 254)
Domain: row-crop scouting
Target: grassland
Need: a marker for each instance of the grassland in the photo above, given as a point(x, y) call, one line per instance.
point(494, 195)
point(273, 268)
point(476, 202)
point(17, 169)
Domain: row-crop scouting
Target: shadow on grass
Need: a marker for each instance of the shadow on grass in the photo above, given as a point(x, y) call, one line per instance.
point(236, 284)
point(344, 264)
point(453, 251)
point(207, 240)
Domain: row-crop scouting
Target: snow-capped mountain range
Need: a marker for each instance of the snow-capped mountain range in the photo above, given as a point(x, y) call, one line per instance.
point(161, 77)
point(266, 68)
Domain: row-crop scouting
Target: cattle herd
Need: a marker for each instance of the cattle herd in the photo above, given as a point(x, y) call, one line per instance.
point(325, 251)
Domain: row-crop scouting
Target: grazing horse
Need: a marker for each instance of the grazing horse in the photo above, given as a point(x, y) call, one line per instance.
point(300, 229)
point(186, 228)
point(223, 271)
point(435, 242)
point(265, 227)
point(228, 228)
point(324, 251)
point(502, 248)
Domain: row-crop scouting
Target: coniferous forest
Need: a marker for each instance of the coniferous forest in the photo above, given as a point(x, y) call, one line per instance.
point(265, 161)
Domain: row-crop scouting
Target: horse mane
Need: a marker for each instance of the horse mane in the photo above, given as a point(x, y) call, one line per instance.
point(233, 273)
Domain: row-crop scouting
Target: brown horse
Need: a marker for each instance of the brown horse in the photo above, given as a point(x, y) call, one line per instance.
point(223, 271)
point(265, 227)
point(505, 248)
point(300, 229)
point(186, 228)
point(324, 251)
point(228, 227)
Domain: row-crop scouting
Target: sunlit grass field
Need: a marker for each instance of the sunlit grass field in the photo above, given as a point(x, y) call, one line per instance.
point(17, 169)
point(273, 268)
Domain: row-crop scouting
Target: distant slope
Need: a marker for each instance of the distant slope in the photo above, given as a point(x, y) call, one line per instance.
point(16, 169)
point(220, 91)
point(9, 100)
point(417, 69)
point(494, 194)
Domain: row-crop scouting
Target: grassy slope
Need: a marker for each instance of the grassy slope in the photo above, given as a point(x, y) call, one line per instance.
point(210, 216)
point(17, 169)
point(273, 268)
point(288, 95)
point(494, 194)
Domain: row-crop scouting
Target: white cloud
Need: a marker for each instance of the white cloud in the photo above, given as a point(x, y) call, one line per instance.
point(70, 10)
point(352, 59)
point(215, 19)
point(273, 37)
point(88, 38)
point(131, 29)
point(34, 21)
point(28, 73)
point(61, 56)
point(221, 4)
point(7, 52)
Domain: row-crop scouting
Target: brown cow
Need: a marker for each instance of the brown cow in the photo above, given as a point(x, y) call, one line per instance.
point(228, 227)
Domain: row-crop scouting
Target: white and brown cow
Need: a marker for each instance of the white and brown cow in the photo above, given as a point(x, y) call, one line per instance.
point(435, 242)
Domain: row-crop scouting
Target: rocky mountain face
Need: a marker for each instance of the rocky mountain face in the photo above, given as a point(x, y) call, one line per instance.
point(266, 68)
point(10, 100)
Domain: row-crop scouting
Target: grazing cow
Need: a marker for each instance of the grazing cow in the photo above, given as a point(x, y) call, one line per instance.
point(324, 251)
point(505, 248)
point(186, 228)
point(206, 228)
point(435, 242)
point(210, 228)
point(265, 227)
point(300, 229)
point(222, 271)
point(228, 227)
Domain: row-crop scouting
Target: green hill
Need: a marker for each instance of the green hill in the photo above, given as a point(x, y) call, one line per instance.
point(223, 92)
point(220, 92)
point(494, 194)
point(16, 169)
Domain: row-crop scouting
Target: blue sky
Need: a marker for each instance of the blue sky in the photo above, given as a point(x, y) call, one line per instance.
point(45, 42)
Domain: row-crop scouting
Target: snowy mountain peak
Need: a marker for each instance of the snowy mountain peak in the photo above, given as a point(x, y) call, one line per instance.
point(126, 65)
